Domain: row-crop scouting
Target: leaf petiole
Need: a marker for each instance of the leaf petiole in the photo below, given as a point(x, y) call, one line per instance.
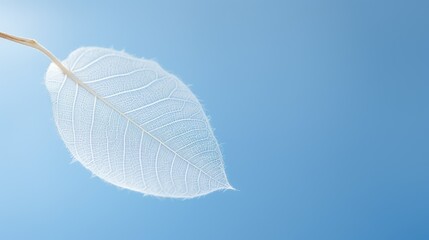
point(34, 44)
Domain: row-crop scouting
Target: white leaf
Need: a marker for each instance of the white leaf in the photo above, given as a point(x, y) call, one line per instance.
point(135, 125)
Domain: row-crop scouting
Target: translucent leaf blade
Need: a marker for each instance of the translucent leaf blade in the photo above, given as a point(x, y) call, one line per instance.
point(139, 127)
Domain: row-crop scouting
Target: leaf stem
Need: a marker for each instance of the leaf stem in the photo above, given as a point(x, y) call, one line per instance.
point(34, 44)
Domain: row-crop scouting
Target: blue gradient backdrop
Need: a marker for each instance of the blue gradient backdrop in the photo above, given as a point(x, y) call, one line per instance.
point(321, 108)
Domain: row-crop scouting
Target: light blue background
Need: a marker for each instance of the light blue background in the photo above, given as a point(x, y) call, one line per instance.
point(321, 108)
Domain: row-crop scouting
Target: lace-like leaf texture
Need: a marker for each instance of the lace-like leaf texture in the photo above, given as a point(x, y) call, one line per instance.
point(134, 125)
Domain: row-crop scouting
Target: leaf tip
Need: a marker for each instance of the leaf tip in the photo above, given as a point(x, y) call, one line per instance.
point(229, 187)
